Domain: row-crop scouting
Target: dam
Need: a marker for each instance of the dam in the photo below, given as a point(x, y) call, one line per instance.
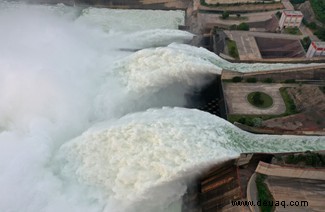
point(84, 126)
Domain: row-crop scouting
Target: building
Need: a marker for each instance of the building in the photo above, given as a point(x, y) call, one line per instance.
point(316, 49)
point(290, 18)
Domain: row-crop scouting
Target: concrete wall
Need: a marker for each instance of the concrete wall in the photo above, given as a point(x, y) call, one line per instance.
point(304, 73)
point(281, 171)
point(238, 1)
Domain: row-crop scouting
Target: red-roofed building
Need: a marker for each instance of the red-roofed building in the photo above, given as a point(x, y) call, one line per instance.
point(316, 49)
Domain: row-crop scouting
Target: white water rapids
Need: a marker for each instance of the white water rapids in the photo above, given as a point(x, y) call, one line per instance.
point(76, 129)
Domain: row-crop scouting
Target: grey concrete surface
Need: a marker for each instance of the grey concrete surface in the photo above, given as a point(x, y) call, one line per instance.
point(236, 98)
point(246, 43)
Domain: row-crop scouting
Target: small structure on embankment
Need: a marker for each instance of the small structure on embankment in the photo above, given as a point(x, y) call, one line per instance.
point(286, 177)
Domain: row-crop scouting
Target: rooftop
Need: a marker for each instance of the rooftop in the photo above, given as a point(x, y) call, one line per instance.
point(319, 44)
point(292, 12)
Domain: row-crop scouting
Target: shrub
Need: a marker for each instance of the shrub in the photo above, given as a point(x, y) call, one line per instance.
point(250, 123)
point(257, 100)
point(257, 122)
point(242, 120)
point(319, 7)
point(251, 80)
point(233, 52)
point(264, 193)
point(289, 81)
point(238, 15)
point(278, 14)
point(225, 15)
point(320, 33)
point(312, 25)
point(293, 107)
point(237, 79)
point(290, 159)
point(268, 80)
point(243, 26)
point(305, 42)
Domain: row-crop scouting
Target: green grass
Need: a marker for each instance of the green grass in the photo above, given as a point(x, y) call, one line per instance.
point(267, 100)
point(288, 101)
point(232, 49)
point(264, 193)
point(292, 31)
point(290, 109)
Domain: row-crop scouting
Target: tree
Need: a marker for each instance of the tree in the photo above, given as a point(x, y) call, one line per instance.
point(320, 33)
point(243, 26)
point(268, 80)
point(257, 98)
point(278, 14)
point(225, 15)
point(237, 79)
point(257, 122)
point(312, 25)
point(238, 15)
point(251, 80)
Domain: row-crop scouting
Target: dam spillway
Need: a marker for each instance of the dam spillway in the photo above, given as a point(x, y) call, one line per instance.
point(85, 126)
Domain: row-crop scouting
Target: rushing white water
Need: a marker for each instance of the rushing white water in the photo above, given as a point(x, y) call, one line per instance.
point(70, 140)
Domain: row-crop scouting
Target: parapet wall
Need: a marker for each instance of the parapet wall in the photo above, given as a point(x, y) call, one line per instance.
point(238, 1)
point(302, 73)
point(281, 171)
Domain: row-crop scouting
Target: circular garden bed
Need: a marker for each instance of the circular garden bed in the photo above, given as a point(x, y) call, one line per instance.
point(260, 100)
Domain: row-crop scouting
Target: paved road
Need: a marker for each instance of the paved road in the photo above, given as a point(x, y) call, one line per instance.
point(216, 19)
point(246, 45)
point(236, 98)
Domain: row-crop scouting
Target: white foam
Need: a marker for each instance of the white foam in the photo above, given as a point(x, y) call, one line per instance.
point(150, 69)
point(132, 155)
point(132, 20)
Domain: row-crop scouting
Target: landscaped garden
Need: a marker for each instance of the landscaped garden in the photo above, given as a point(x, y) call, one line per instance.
point(260, 100)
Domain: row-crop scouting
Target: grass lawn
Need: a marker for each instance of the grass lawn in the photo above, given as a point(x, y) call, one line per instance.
point(290, 105)
point(232, 49)
point(266, 100)
point(292, 31)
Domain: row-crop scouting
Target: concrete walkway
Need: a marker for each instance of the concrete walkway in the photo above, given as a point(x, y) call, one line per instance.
point(236, 98)
point(246, 43)
point(252, 193)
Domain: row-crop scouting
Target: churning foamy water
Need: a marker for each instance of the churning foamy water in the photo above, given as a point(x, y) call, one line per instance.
point(76, 129)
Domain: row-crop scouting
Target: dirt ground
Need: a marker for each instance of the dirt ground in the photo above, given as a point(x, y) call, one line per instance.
point(310, 101)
